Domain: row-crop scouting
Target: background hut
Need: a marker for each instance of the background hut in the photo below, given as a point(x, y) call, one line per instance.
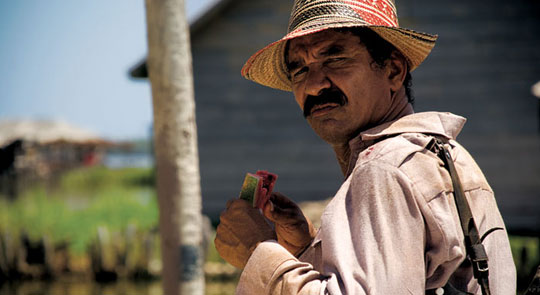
point(39, 150)
point(483, 66)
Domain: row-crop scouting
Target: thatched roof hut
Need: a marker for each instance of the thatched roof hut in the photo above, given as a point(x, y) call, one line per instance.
point(38, 150)
point(45, 132)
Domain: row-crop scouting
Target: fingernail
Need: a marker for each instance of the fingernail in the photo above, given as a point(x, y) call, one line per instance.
point(271, 206)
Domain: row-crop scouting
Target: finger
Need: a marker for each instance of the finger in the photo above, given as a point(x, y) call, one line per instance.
point(284, 205)
point(230, 214)
point(282, 202)
point(239, 204)
point(229, 203)
point(284, 215)
point(267, 209)
point(229, 247)
point(225, 237)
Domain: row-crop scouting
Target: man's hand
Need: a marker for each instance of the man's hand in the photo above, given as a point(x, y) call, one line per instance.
point(240, 230)
point(294, 230)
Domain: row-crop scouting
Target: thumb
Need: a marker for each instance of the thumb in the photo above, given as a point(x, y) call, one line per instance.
point(268, 210)
point(280, 209)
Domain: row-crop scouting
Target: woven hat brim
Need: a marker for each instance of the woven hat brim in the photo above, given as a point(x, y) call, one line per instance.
point(267, 66)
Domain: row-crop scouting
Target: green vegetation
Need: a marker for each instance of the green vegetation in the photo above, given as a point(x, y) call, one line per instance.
point(87, 181)
point(104, 220)
point(528, 247)
point(87, 200)
point(526, 253)
point(82, 201)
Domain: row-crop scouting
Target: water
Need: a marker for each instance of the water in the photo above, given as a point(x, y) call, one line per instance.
point(123, 160)
point(87, 287)
point(81, 288)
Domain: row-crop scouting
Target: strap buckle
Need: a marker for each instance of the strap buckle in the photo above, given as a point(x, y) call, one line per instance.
point(481, 266)
point(479, 258)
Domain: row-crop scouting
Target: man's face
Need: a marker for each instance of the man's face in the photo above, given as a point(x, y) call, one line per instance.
point(338, 86)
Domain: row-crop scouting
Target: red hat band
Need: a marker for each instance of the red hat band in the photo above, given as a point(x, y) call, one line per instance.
point(267, 66)
point(309, 14)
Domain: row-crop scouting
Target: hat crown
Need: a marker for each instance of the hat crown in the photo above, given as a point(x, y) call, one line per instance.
point(310, 14)
point(268, 66)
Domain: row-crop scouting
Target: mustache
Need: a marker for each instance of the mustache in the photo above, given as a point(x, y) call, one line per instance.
point(329, 95)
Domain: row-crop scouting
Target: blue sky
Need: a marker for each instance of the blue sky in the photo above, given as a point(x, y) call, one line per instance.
point(68, 60)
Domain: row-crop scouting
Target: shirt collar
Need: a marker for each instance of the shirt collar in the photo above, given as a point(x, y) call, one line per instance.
point(443, 124)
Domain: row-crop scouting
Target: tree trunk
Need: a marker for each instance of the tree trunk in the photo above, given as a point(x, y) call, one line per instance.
point(175, 142)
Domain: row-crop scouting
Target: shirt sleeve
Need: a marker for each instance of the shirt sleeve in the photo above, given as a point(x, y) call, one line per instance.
point(271, 269)
point(372, 240)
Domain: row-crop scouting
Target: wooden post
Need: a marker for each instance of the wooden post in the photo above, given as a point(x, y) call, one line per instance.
point(175, 142)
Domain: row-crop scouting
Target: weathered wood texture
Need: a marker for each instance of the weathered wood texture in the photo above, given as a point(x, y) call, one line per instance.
point(244, 127)
point(175, 144)
point(482, 67)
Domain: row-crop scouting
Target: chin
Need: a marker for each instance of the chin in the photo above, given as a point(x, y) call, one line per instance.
point(332, 131)
point(333, 137)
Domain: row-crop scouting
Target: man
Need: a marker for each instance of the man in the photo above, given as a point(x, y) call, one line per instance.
point(393, 226)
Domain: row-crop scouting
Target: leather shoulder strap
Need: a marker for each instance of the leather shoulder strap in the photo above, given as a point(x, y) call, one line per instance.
point(473, 243)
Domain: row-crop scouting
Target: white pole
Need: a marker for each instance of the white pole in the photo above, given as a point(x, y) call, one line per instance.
point(175, 142)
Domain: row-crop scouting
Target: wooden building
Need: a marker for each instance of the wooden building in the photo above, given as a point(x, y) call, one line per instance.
point(484, 63)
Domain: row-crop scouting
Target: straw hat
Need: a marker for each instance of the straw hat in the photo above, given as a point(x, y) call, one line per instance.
point(267, 66)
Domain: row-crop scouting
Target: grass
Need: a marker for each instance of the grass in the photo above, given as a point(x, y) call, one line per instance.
point(84, 200)
point(89, 180)
point(527, 246)
point(526, 253)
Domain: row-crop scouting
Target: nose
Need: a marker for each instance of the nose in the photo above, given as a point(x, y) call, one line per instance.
point(316, 81)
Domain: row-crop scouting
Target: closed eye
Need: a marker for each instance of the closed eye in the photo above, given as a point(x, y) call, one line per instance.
point(299, 74)
point(335, 61)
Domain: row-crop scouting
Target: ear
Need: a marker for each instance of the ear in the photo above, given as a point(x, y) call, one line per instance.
point(397, 68)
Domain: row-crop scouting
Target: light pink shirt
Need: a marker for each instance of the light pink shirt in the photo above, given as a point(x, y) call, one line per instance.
point(392, 228)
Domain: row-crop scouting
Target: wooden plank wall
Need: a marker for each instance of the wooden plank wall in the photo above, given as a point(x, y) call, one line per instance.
point(243, 126)
point(483, 66)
